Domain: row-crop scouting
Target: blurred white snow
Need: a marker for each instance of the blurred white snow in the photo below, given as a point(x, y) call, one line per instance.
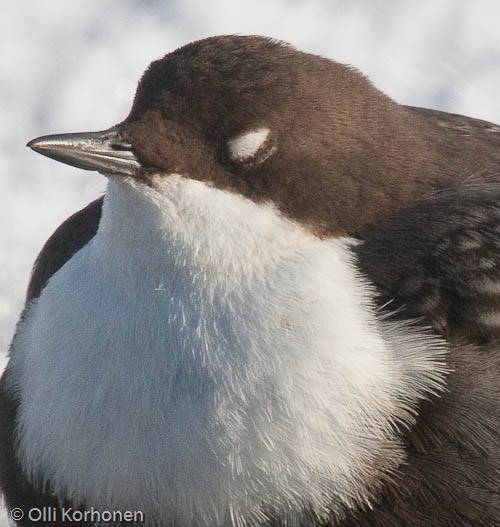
point(74, 66)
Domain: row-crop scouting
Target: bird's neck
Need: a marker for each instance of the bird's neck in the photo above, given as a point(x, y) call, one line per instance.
point(186, 225)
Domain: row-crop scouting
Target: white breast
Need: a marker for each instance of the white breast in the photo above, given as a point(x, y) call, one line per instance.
point(205, 359)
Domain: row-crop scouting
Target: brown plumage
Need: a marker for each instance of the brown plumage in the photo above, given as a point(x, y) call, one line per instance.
point(418, 187)
point(307, 100)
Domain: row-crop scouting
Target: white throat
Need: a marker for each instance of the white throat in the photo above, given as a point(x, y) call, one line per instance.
point(205, 360)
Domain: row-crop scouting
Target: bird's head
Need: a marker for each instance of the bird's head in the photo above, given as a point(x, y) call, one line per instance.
point(257, 117)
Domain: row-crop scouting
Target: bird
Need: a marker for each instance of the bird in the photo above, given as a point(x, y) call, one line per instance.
point(285, 309)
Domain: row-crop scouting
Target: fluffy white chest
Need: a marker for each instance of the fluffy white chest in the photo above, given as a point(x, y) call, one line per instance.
point(206, 361)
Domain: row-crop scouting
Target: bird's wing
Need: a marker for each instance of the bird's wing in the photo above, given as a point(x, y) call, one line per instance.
point(71, 236)
point(68, 238)
point(485, 132)
point(440, 259)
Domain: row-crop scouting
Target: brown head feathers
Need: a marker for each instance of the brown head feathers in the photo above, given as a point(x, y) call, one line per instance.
point(344, 154)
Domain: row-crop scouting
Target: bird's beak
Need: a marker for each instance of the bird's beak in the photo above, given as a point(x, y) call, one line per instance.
point(103, 151)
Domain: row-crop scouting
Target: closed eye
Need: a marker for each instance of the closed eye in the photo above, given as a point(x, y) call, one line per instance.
point(253, 146)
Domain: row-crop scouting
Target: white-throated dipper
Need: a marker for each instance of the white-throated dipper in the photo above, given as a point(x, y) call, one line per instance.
point(285, 311)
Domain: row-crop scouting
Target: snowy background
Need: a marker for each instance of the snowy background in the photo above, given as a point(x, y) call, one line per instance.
point(74, 66)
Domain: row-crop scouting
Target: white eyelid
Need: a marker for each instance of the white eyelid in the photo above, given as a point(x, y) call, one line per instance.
point(246, 145)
